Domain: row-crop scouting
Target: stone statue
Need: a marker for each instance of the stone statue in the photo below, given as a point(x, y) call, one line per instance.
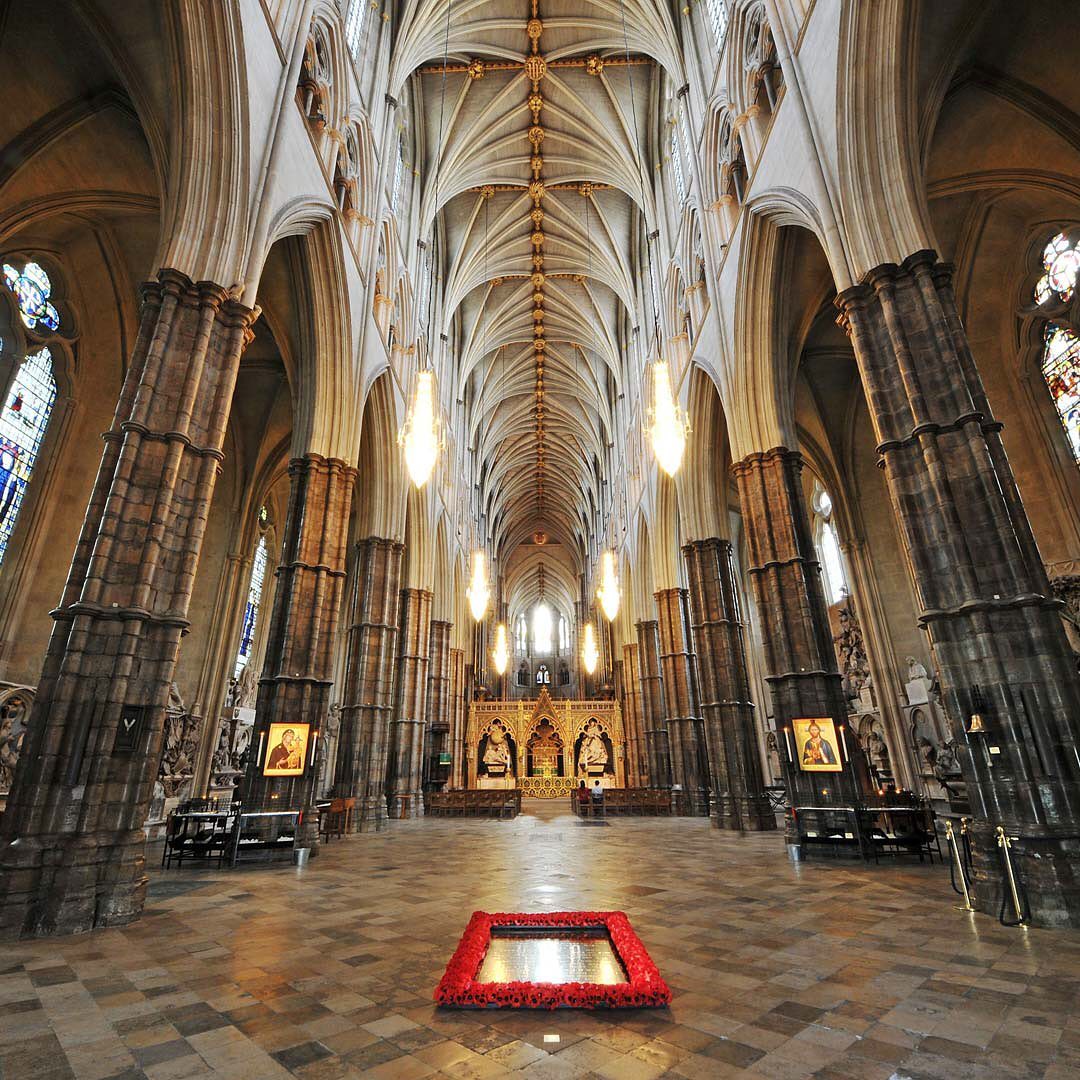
point(878, 750)
point(13, 716)
point(593, 755)
point(852, 658)
point(242, 690)
point(497, 754)
point(927, 755)
point(915, 670)
point(181, 744)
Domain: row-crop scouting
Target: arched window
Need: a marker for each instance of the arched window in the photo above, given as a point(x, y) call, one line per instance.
point(521, 634)
point(251, 608)
point(718, 19)
point(1061, 345)
point(355, 20)
point(541, 629)
point(828, 545)
point(676, 163)
point(543, 676)
point(564, 634)
point(399, 176)
point(30, 400)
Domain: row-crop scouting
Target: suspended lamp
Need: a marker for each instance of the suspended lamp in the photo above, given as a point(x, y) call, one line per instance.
point(590, 655)
point(420, 435)
point(500, 655)
point(608, 594)
point(669, 425)
point(478, 591)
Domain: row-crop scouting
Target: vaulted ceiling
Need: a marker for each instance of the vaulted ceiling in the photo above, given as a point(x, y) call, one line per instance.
point(535, 135)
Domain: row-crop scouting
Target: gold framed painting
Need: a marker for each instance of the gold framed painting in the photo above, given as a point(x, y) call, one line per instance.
point(286, 748)
point(816, 745)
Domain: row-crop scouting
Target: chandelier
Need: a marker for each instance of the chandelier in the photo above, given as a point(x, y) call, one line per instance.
point(608, 594)
point(669, 426)
point(420, 435)
point(478, 591)
point(590, 655)
point(500, 655)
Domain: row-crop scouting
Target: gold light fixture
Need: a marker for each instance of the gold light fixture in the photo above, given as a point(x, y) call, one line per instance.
point(669, 427)
point(590, 655)
point(420, 436)
point(500, 655)
point(478, 591)
point(608, 594)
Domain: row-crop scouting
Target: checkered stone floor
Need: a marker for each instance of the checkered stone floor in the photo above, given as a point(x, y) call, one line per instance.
point(824, 969)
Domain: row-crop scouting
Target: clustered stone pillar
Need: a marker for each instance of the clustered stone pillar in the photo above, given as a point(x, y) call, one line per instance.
point(368, 694)
point(298, 668)
point(800, 660)
point(983, 594)
point(438, 702)
point(653, 714)
point(71, 840)
point(738, 787)
point(457, 718)
point(686, 737)
point(635, 757)
point(406, 772)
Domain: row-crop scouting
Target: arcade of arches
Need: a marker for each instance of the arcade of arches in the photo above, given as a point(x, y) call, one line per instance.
point(772, 305)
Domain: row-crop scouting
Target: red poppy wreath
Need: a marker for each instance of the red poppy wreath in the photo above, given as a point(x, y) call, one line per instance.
point(644, 986)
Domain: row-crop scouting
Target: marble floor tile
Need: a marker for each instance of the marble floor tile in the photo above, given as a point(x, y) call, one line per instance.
point(830, 970)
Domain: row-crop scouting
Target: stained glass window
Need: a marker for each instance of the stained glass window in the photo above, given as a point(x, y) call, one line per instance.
point(521, 634)
point(22, 427)
point(541, 628)
point(32, 290)
point(1061, 369)
point(718, 16)
point(251, 608)
point(564, 634)
point(828, 544)
point(355, 18)
point(399, 176)
point(1061, 264)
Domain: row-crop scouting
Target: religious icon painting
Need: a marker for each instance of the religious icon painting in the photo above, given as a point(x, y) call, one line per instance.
point(286, 749)
point(816, 745)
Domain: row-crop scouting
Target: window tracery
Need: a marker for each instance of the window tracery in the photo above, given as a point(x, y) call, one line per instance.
point(251, 608)
point(677, 165)
point(718, 20)
point(26, 412)
point(355, 21)
point(828, 547)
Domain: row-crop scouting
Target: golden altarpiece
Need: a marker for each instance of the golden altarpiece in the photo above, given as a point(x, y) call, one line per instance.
point(543, 746)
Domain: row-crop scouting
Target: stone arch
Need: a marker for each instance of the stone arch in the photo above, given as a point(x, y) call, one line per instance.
point(880, 188)
point(381, 482)
point(703, 480)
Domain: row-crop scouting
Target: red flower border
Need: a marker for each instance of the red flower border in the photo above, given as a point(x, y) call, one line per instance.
point(646, 988)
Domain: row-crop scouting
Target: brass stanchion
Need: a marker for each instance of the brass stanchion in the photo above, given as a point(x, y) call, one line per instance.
point(1021, 908)
point(957, 867)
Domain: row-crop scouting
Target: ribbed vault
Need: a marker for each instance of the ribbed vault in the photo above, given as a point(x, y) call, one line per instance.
point(534, 151)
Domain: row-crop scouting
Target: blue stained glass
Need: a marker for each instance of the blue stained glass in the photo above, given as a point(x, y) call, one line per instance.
point(251, 608)
point(1061, 369)
point(23, 421)
point(32, 290)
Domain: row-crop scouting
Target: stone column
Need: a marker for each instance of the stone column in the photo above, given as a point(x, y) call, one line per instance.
point(438, 702)
point(738, 788)
point(457, 718)
point(635, 757)
point(686, 737)
point(406, 768)
point(653, 712)
point(71, 840)
point(800, 662)
point(982, 591)
point(368, 694)
point(298, 667)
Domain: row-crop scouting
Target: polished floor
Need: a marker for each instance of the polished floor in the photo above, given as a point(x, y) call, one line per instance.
point(822, 969)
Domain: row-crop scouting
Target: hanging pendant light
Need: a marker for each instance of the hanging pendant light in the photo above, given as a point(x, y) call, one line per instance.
point(608, 594)
point(669, 426)
point(420, 436)
point(478, 591)
point(590, 655)
point(500, 655)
